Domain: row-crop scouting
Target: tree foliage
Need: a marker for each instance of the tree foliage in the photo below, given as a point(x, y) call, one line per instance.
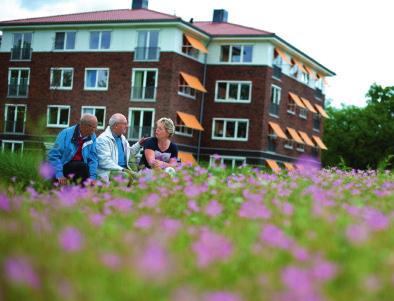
point(362, 137)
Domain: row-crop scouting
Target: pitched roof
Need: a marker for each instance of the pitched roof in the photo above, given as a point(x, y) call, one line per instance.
point(97, 16)
point(229, 29)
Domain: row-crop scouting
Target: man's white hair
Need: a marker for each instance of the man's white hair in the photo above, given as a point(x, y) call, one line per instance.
point(116, 118)
point(88, 119)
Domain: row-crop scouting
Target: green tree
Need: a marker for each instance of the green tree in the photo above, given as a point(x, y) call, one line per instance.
point(361, 137)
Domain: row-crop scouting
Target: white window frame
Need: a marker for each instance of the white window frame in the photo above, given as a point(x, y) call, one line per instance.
point(142, 119)
point(227, 99)
point(277, 61)
point(145, 70)
point(64, 41)
point(23, 37)
point(19, 74)
point(289, 144)
point(316, 115)
point(275, 100)
point(291, 106)
point(16, 114)
point(183, 130)
point(188, 49)
point(300, 147)
point(230, 56)
point(303, 113)
point(13, 142)
point(236, 120)
point(212, 160)
point(182, 89)
point(61, 87)
point(95, 88)
point(94, 113)
point(57, 125)
point(148, 44)
point(100, 46)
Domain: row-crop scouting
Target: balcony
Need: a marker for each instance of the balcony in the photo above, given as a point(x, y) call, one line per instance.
point(14, 127)
point(21, 53)
point(274, 109)
point(147, 54)
point(18, 91)
point(137, 132)
point(277, 72)
point(143, 93)
point(319, 93)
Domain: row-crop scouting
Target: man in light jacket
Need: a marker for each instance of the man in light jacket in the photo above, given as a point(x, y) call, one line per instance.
point(74, 151)
point(113, 149)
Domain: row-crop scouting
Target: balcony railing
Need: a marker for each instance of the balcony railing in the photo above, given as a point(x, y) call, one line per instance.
point(137, 132)
point(14, 127)
point(143, 93)
point(21, 53)
point(146, 54)
point(189, 50)
point(18, 90)
point(274, 109)
point(277, 72)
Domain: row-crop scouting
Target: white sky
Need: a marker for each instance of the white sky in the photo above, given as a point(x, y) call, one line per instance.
point(353, 38)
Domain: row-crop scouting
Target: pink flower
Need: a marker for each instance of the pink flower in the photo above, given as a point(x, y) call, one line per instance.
point(4, 203)
point(193, 206)
point(119, 205)
point(46, 171)
point(110, 260)
point(96, 219)
point(357, 234)
point(70, 239)
point(211, 247)
point(150, 201)
point(221, 296)
point(298, 281)
point(275, 237)
point(19, 270)
point(143, 222)
point(171, 226)
point(254, 210)
point(323, 270)
point(213, 208)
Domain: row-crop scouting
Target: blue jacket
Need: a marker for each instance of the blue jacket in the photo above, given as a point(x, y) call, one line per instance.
point(65, 148)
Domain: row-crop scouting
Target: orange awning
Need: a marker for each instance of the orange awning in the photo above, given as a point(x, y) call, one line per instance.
point(300, 66)
point(297, 100)
point(308, 104)
point(319, 142)
point(277, 130)
point(196, 44)
point(310, 71)
point(306, 138)
point(273, 165)
point(193, 82)
point(295, 136)
point(289, 166)
point(187, 158)
point(283, 56)
point(190, 121)
point(321, 111)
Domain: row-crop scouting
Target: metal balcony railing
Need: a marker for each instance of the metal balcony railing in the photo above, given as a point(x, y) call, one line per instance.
point(143, 93)
point(146, 54)
point(137, 132)
point(15, 90)
point(21, 53)
point(14, 127)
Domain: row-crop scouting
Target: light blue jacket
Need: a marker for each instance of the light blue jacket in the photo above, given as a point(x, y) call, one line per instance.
point(65, 148)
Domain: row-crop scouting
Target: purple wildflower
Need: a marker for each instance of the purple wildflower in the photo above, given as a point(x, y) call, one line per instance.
point(70, 239)
point(275, 237)
point(110, 260)
point(46, 171)
point(143, 222)
point(253, 210)
point(213, 208)
point(4, 203)
point(221, 296)
point(19, 270)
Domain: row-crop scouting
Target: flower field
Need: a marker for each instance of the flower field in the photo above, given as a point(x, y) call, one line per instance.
point(203, 234)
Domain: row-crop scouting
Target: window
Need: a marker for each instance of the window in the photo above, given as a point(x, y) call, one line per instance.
point(303, 113)
point(271, 144)
point(99, 112)
point(188, 49)
point(293, 69)
point(96, 79)
point(228, 161)
point(275, 101)
point(185, 89)
point(227, 91)
point(100, 40)
point(144, 83)
point(300, 147)
point(147, 46)
point(236, 53)
point(277, 59)
point(21, 50)
point(12, 146)
point(65, 40)
point(58, 116)
point(183, 130)
point(291, 106)
point(15, 118)
point(289, 144)
point(62, 78)
point(18, 82)
point(230, 129)
point(304, 77)
point(316, 122)
point(141, 122)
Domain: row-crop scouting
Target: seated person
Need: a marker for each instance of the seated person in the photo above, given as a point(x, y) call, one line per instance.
point(74, 151)
point(159, 151)
point(113, 149)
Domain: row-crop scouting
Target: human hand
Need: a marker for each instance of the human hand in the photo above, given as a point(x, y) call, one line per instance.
point(142, 140)
point(62, 180)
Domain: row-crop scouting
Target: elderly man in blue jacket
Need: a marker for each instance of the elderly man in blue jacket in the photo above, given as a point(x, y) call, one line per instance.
point(74, 152)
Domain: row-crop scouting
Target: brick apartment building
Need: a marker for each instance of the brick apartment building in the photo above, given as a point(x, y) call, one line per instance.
point(242, 93)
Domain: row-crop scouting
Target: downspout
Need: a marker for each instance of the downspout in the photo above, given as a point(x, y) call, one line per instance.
point(202, 104)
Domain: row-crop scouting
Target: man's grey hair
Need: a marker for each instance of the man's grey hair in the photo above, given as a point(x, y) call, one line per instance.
point(88, 119)
point(168, 125)
point(116, 118)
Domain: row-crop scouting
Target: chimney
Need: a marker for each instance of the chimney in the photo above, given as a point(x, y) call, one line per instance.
point(220, 15)
point(139, 4)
